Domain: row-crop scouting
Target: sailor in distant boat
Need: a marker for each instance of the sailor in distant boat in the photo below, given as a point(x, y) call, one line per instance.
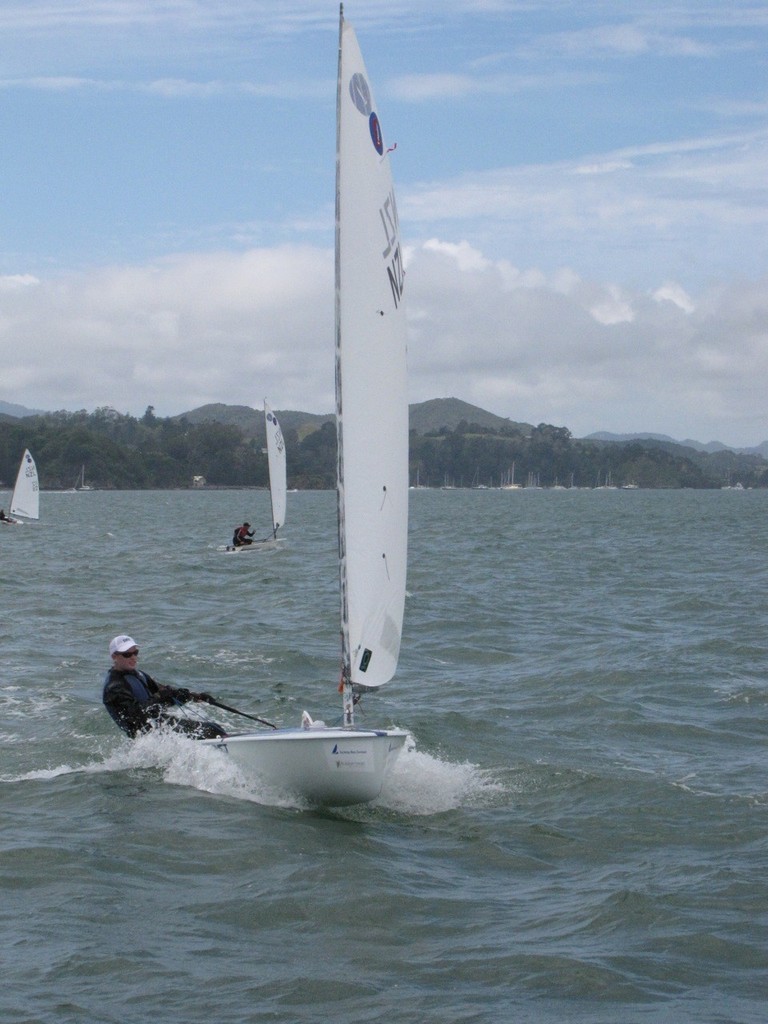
point(242, 535)
point(137, 703)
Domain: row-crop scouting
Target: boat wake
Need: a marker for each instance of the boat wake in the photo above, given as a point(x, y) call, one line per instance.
point(420, 784)
point(423, 784)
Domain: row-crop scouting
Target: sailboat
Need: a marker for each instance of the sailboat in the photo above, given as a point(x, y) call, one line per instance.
point(80, 484)
point(25, 500)
point(277, 482)
point(508, 483)
point(344, 764)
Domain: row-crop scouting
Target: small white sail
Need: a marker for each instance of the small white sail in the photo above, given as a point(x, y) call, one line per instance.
point(26, 492)
point(371, 382)
point(278, 487)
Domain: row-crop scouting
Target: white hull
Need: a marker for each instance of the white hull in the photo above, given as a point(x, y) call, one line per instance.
point(258, 545)
point(330, 767)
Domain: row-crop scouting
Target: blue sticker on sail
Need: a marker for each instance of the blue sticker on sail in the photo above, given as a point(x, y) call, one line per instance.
point(378, 141)
point(360, 93)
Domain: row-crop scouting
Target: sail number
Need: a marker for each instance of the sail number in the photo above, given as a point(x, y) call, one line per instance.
point(392, 253)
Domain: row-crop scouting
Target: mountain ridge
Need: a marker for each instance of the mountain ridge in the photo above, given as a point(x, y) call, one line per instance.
point(425, 417)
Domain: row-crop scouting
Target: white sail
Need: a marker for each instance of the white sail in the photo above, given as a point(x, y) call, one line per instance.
point(277, 468)
point(371, 384)
point(26, 493)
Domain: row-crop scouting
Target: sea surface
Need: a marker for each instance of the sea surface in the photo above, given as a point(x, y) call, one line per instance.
point(577, 831)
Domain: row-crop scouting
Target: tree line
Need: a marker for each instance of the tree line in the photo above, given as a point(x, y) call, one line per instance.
point(123, 452)
point(548, 456)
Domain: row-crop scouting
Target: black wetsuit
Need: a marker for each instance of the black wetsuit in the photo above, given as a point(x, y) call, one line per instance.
point(136, 702)
point(242, 536)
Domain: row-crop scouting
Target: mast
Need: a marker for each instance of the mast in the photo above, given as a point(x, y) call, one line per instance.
point(346, 659)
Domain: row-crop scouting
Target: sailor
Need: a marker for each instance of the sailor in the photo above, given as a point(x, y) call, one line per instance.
point(137, 703)
point(242, 535)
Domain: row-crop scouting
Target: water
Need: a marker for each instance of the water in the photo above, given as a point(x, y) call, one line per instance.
point(577, 831)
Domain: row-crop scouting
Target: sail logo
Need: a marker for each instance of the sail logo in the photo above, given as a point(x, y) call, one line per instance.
point(376, 136)
point(278, 435)
point(360, 92)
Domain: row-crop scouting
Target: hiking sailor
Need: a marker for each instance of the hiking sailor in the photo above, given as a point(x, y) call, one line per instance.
point(137, 703)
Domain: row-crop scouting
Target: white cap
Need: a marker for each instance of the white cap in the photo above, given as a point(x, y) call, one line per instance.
point(121, 644)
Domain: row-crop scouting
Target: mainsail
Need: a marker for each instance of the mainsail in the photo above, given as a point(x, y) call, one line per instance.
point(277, 468)
point(26, 492)
point(371, 384)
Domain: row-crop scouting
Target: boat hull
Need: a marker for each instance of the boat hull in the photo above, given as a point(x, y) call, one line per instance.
point(327, 767)
point(258, 545)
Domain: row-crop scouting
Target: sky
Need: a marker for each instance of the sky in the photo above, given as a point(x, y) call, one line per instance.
point(581, 184)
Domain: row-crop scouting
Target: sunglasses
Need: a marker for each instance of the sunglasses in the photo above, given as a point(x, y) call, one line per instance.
point(129, 654)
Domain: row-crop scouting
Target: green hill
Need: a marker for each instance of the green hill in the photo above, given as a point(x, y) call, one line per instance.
point(448, 413)
point(251, 421)
point(424, 418)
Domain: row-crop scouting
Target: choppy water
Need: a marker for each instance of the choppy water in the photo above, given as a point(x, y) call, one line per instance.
point(578, 833)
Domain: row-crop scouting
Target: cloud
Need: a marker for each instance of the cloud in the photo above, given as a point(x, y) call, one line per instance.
point(519, 341)
point(563, 350)
point(629, 39)
point(176, 334)
point(672, 292)
point(12, 282)
point(453, 86)
point(172, 88)
point(691, 209)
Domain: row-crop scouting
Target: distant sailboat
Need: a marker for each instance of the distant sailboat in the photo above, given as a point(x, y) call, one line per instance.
point(508, 482)
point(343, 765)
point(25, 501)
point(609, 485)
point(80, 484)
point(276, 462)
